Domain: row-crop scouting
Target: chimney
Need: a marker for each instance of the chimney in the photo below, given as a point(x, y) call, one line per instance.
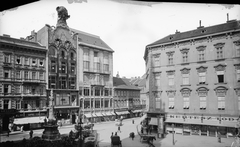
point(117, 75)
point(177, 32)
point(34, 35)
point(200, 25)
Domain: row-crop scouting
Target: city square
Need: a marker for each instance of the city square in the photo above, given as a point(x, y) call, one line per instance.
point(127, 80)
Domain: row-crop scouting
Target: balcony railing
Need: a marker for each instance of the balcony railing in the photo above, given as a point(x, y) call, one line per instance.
point(22, 80)
point(93, 70)
point(23, 94)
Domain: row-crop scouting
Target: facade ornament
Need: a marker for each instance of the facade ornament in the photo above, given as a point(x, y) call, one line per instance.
point(62, 17)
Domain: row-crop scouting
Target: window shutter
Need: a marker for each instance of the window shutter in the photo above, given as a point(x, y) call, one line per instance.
point(1, 89)
point(9, 88)
point(13, 104)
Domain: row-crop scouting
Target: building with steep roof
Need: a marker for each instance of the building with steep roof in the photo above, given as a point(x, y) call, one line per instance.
point(193, 80)
point(126, 98)
point(22, 80)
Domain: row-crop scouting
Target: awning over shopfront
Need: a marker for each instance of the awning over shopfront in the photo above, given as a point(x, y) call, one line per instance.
point(143, 117)
point(205, 122)
point(122, 112)
point(88, 115)
point(30, 120)
point(153, 121)
point(98, 114)
point(136, 111)
point(108, 113)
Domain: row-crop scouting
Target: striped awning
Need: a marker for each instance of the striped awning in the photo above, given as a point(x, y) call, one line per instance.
point(88, 115)
point(108, 113)
point(30, 120)
point(122, 112)
point(98, 114)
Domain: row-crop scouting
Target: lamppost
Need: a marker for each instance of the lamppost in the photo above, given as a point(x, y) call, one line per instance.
point(173, 134)
point(80, 124)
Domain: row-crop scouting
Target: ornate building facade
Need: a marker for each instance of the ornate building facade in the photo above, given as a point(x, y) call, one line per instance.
point(79, 71)
point(22, 78)
point(193, 80)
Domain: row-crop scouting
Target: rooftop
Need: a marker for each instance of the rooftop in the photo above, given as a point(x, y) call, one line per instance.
point(21, 42)
point(121, 83)
point(91, 40)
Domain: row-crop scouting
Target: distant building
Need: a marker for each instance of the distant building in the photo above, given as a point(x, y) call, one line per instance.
point(22, 79)
point(193, 79)
point(126, 98)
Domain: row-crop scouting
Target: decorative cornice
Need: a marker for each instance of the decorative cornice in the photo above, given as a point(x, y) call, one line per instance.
point(217, 45)
point(170, 53)
point(202, 89)
point(170, 72)
point(200, 48)
point(184, 50)
point(185, 70)
point(202, 69)
point(237, 42)
point(220, 67)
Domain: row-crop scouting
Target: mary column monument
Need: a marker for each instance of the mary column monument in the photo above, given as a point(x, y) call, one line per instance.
point(51, 131)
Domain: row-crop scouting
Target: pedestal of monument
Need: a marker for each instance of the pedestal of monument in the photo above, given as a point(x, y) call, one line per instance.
point(51, 132)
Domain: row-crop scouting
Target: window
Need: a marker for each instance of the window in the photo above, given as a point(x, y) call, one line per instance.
point(220, 76)
point(62, 54)
point(26, 61)
point(62, 83)
point(202, 77)
point(26, 75)
point(186, 97)
point(185, 57)
point(170, 59)
point(72, 56)
point(6, 89)
point(238, 74)
point(221, 94)
point(86, 65)
point(18, 104)
point(170, 80)
point(237, 46)
point(201, 55)
point(185, 78)
point(171, 103)
point(52, 81)
point(41, 76)
point(106, 67)
point(156, 60)
point(72, 68)
point(53, 66)
point(157, 77)
point(41, 62)
point(5, 104)
point(95, 54)
point(18, 60)
point(6, 74)
point(202, 93)
point(34, 76)
point(158, 99)
point(203, 102)
point(7, 58)
point(86, 91)
point(97, 66)
point(106, 56)
point(18, 75)
point(219, 52)
point(72, 83)
point(63, 67)
point(221, 103)
point(34, 62)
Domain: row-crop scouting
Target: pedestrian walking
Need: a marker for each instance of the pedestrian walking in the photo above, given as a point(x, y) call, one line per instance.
point(132, 135)
point(219, 137)
point(133, 121)
point(119, 129)
point(21, 128)
point(31, 134)
point(150, 129)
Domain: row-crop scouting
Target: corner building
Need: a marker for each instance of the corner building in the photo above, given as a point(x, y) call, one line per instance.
point(193, 80)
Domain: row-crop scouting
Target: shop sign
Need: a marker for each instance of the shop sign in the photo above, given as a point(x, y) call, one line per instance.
point(8, 111)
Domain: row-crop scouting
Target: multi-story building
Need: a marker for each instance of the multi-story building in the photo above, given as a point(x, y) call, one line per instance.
point(22, 79)
point(79, 70)
point(140, 82)
point(126, 98)
point(193, 80)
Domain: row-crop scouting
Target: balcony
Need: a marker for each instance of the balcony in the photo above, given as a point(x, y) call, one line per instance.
point(93, 70)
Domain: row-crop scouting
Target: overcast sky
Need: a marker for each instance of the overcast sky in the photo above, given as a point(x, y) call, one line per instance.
point(127, 27)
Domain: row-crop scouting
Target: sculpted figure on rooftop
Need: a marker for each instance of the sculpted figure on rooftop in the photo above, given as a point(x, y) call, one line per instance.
point(62, 16)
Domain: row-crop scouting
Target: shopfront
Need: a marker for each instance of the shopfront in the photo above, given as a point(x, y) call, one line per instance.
point(122, 113)
point(6, 117)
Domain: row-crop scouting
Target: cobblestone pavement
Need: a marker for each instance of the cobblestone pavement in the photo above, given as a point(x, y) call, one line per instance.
point(106, 128)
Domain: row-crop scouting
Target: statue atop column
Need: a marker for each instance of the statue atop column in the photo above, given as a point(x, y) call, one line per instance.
point(62, 16)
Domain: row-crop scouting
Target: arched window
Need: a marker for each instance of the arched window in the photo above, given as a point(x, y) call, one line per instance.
point(52, 51)
point(62, 54)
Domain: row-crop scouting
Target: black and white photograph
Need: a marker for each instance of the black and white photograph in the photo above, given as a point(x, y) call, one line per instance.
point(119, 73)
